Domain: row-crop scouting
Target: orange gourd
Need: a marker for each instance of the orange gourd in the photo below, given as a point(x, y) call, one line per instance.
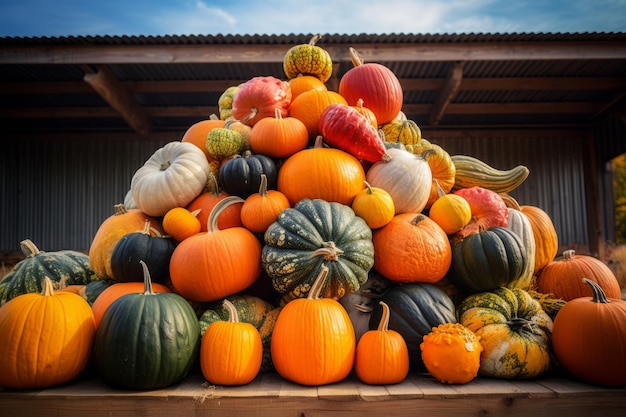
point(451, 353)
point(110, 232)
point(217, 263)
point(364, 111)
point(278, 136)
point(412, 248)
point(382, 355)
point(563, 277)
point(326, 173)
point(181, 223)
point(589, 338)
point(309, 106)
point(46, 338)
point(304, 349)
point(117, 290)
point(198, 132)
point(262, 209)
point(231, 351)
point(545, 235)
point(374, 205)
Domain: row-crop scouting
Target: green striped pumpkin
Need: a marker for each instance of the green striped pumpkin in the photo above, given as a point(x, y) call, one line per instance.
point(315, 233)
point(308, 59)
point(28, 275)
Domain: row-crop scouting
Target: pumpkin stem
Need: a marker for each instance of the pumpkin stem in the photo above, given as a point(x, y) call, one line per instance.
point(196, 212)
point(363, 308)
point(417, 219)
point(519, 324)
point(212, 186)
point(263, 186)
point(47, 287)
point(233, 315)
point(165, 165)
point(598, 294)
point(440, 192)
point(355, 57)
point(383, 325)
point(277, 114)
point(330, 251)
point(509, 201)
point(213, 116)
point(315, 39)
point(316, 288)
point(29, 249)
point(218, 209)
point(319, 142)
point(147, 281)
point(369, 187)
point(119, 209)
point(569, 254)
point(253, 112)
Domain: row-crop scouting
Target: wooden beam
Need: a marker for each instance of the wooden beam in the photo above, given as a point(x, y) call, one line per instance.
point(447, 94)
point(274, 53)
point(109, 88)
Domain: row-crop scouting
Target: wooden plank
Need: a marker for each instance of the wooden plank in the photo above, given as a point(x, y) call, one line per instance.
point(447, 94)
point(346, 390)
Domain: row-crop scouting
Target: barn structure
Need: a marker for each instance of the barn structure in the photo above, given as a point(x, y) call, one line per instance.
point(80, 115)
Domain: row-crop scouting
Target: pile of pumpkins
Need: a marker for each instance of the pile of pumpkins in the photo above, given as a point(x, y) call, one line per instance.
point(313, 233)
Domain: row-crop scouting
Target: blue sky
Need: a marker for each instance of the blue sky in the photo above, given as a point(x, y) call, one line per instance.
point(205, 17)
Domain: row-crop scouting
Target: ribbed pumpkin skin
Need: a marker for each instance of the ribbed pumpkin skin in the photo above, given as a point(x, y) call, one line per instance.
point(308, 59)
point(414, 310)
point(155, 251)
point(146, 341)
point(546, 238)
point(241, 176)
point(520, 225)
point(289, 255)
point(313, 342)
point(46, 339)
point(487, 260)
point(514, 331)
point(28, 274)
point(321, 173)
point(309, 106)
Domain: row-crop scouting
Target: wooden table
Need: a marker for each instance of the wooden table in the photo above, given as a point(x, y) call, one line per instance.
point(270, 395)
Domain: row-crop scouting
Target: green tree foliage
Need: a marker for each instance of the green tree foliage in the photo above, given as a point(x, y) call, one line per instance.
point(619, 195)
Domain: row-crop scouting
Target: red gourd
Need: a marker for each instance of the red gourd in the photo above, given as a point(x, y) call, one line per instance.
point(344, 127)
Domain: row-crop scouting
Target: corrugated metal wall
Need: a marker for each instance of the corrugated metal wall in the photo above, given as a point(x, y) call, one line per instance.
point(57, 193)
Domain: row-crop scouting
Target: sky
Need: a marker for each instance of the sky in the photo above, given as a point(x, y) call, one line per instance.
point(55, 18)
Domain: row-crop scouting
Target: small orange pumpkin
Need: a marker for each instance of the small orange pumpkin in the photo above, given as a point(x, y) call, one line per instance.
point(382, 355)
point(181, 223)
point(302, 83)
point(218, 263)
point(278, 136)
point(46, 338)
point(451, 353)
point(231, 351)
point(309, 106)
point(262, 209)
point(563, 277)
point(412, 248)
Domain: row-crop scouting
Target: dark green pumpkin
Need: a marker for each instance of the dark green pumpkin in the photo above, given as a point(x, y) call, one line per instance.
point(250, 309)
point(94, 288)
point(146, 340)
point(28, 274)
point(315, 233)
point(414, 309)
point(154, 250)
point(486, 260)
point(241, 175)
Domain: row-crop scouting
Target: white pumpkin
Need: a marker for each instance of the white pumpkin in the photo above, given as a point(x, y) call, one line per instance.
point(173, 176)
point(406, 177)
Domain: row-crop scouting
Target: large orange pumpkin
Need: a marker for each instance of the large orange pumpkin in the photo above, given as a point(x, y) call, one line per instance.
point(326, 173)
point(563, 277)
point(46, 338)
point(218, 263)
point(262, 209)
point(412, 248)
point(230, 217)
point(313, 342)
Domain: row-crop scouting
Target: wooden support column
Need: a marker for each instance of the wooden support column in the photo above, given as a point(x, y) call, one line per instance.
point(449, 90)
point(112, 91)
